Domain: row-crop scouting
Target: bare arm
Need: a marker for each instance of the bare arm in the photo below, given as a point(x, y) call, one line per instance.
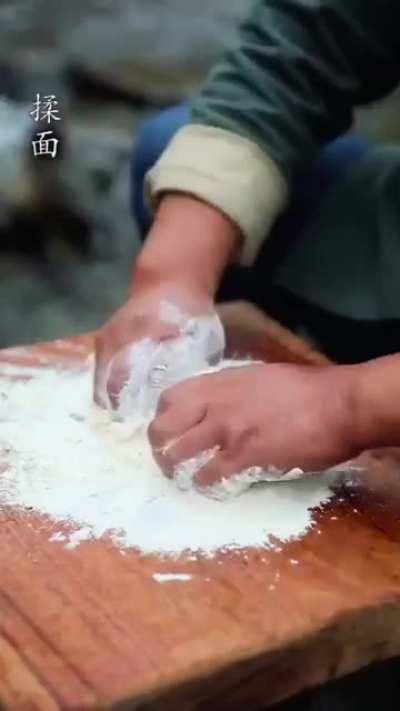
point(182, 262)
point(190, 244)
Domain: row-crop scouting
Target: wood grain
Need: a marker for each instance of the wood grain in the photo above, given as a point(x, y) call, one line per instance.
point(90, 627)
point(19, 687)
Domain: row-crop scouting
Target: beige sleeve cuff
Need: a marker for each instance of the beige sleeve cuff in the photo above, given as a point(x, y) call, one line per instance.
point(228, 171)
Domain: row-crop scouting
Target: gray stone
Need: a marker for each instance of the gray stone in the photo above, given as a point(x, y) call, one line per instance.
point(15, 186)
point(157, 48)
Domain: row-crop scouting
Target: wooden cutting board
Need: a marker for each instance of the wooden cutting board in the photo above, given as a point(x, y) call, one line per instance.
point(90, 627)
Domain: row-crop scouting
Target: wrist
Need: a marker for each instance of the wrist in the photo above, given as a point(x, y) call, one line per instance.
point(376, 394)
point(344, 406)
point(357, 432)
point(150, 274)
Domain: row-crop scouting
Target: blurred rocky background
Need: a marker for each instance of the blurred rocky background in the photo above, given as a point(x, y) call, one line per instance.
point(67, 240)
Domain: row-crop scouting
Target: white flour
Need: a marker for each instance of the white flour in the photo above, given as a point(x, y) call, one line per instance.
point(237, 484)
point(99, 477)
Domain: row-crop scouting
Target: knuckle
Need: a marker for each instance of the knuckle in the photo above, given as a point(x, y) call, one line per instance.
point(153, 432)
point(165, 460)
point(173, 392)
point(163, 405)
point(159, 435)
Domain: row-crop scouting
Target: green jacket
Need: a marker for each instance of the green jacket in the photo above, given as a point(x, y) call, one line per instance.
point(271, 103)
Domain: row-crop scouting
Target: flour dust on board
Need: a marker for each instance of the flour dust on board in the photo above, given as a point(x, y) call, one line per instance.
point(64, 459)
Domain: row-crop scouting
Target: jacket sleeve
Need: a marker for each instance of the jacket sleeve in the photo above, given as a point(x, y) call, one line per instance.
point(271, 103)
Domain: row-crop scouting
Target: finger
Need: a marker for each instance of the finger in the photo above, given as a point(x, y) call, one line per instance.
point(220, 467)
point(177, 418)
point(99, 386)
point(100, 374)
point(119, 374)
point(111, 373)
point(198, 439)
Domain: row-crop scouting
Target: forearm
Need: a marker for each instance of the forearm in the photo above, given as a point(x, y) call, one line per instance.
point(189, 245)
point(288, 88)
point(377, 403)
point(299, 69)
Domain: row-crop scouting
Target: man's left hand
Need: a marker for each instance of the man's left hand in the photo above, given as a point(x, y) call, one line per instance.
point(282, 415)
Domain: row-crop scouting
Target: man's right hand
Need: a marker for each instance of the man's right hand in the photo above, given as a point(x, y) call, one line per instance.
point(179, 267)
point(159, 314)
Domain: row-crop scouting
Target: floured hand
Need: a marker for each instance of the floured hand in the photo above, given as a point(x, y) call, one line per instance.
point(160, 315)
point(276, 415)
point(181, 264)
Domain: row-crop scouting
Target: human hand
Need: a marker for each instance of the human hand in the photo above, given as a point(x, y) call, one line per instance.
point(180, 265)
point(160, 314)
point(279, 415)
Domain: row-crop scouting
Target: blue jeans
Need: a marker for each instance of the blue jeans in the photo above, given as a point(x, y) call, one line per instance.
point(304, 275)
